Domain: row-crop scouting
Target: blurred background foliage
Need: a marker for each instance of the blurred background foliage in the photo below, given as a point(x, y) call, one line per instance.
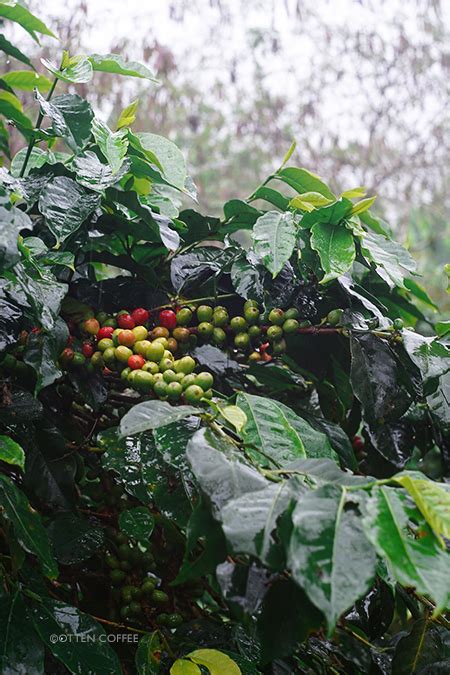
point(362, 85)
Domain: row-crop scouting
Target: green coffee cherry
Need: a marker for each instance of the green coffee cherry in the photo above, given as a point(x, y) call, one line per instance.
point(279, 347)
point(291, 313)
point(184, 316)
point(334, 316)
point(205, 329)
point(290, 326)
point(251, 315)
point(204, 313)
point(238, 324)
point(160, 598)
point(174, 620)
point(274, 333)
point(219, 336)
point(174, 391)
point(204, 380)
point(117, 576)
point(254, 332)
point(242, 341)
point(220, 317)
point(250, 303)
point(276, 316)
point(398, 324)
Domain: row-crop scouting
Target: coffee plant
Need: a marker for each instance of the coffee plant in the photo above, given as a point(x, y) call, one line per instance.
point(224, 441)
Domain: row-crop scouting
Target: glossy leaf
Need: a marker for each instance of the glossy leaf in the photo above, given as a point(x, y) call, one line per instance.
point(27, 525)
point(90, 651)
point(26, 80)
point(416, 562)
point(432, 500)
point(363, 205)
point(71, 118)
point(326, 528)
point(274, 239)
point(128, 115)
point(114, 63)
point(124, 456)
point(148, 654)
point(11, 452)
point(303, 180)
point(15, 11)
point(392, 260)
point(137, 523)
point(73, 538)
point(164, 154)
point(112, 145)
point(216, 662)
point(184, 667)
point(430, 356)
point(43, 350)
point(10, 49)
point(336, 249)
point(93, 174)
point(152, 415)
point(20, 649)
point(66, 206)
point(76, 70)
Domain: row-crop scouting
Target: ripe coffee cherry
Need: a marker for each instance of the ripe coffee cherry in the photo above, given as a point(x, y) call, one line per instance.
point(168, 319)
point(87, 350)
point(238, 324)
point(204, 313)
point(135, 361)
point(125, 321)
point(159, 332)
point(126, 337)
point(66, 356)
point(181, 334)
point(105, 332)
point(184, 316)
point(358, 443)
point(140, 316)
point(172, 345)
point(276, 316)
point(91, 326)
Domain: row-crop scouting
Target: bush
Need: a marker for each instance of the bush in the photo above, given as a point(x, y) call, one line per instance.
point(224, 440)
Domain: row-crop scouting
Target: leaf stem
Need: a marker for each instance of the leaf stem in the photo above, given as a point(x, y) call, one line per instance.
point(40, 117)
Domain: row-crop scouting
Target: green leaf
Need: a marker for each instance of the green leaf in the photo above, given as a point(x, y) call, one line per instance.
point(12, 50)
point(89, 652)
point(20, 650)
point(26, 80)
point(128, 115)
point(11, 452)
point(390, 257)
point(12, 221)
point(27, 525)
point(308, 201)
point(414, 561)
point(336, 249)
point(76, 70)
point(164, 154)
point(273, 428)
point(15, 11)
point(148, 654)
point(65, 206)
point(288, 155)
point(183, 667)
point(274, 239)
point(92, 173)
point(303, 180)
point(74, 539)
point(272, 196)
point(363, 205)
point(430, 356)
point(235, 416)
point(217, 662)
point(11, 108)
point(152, 415)
point(354, 193)
point(113, 146)
point(124, 456)
point(432, 500)
point(71, 118)
point(442, 328)
point(420, 293)
point(424, 649)
point(326, 527)
point(37, 159)
point(137, 523)
point(114, 63)
point(249, 521)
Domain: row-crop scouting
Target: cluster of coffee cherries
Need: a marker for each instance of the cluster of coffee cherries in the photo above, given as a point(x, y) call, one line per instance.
point(153, 361)
point(136, 588)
